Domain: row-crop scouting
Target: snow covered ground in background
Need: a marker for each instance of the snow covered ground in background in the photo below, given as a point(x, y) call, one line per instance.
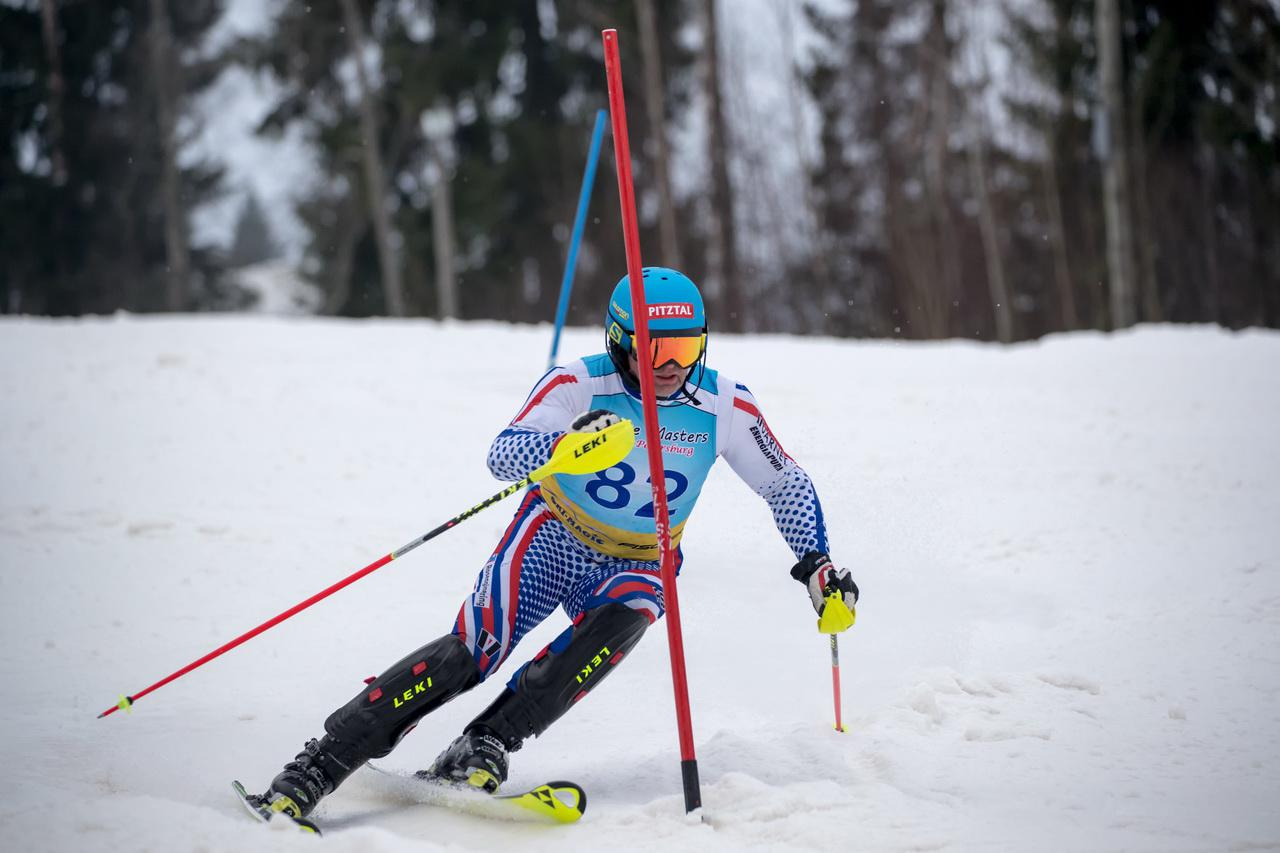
point(276, 288)
point(1069, 553)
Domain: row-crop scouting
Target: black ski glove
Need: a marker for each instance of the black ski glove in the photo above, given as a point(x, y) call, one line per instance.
point(594, 421)
point(821, 577)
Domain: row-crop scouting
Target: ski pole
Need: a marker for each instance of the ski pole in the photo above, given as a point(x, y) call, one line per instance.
point(836, 617)
point(575, 453)
point(835, 679)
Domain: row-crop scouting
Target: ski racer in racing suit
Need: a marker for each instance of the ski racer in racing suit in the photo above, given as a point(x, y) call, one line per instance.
point(584, 543)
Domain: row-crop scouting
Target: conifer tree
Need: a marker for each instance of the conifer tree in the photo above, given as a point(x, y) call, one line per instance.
point(253, 242)
point(517, 86)
point(82, 222)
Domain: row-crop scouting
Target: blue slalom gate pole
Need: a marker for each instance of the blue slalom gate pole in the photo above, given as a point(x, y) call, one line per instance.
point(579, 222)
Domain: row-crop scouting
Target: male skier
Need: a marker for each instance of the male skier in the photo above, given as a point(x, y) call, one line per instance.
point(585, 543)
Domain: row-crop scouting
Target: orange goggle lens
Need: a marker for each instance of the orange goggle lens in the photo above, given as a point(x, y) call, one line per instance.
point(684, 351)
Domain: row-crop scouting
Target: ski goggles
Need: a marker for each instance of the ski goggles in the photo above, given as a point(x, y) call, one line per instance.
point(682, 348)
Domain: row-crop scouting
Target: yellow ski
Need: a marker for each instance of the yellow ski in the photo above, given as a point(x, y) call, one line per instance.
point(562, 802)
point(554, 802)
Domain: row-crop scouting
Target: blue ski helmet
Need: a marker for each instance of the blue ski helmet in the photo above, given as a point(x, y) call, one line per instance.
point(674, 302)
point(676, 310)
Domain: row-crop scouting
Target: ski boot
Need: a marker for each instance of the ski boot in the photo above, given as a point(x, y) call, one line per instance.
point(312, 774)
point(477, 758)
point(265, 809)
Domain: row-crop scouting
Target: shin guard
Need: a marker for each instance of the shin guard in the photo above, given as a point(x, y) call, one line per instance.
point(562, 673)
point(373, 722)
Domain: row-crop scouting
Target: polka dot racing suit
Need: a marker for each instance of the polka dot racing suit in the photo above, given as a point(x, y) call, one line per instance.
point(582, 543)
point(585, 541)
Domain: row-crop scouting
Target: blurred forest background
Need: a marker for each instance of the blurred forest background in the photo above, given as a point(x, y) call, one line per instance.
point(992, 169)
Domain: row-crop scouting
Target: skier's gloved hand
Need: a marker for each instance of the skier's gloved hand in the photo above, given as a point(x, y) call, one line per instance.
point(821, 577)
point(594, 421)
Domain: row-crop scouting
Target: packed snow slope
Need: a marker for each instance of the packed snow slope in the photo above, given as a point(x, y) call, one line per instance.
point(1069, 553)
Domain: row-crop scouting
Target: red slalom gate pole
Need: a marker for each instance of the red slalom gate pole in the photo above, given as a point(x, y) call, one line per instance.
point(648, 399)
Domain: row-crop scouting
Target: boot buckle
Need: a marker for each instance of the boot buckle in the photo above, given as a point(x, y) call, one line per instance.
point(283, 803)
point(481, 778)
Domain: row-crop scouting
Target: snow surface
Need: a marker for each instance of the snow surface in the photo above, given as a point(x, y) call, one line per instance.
point(1069, 553)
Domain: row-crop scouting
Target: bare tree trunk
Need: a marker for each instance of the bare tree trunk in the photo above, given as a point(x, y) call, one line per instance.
point(1116, 202)
point(996, 282)
point(1209, 204)
point(57, 88)
point(442, 237)
point(374, 173)
point(796, 99)
point(164, 72)
point(939, 294)
point(1058, 239)
point(976, 151)
point(724, 228)
point(910, 268)
point(1145, 239)
point(1093, 253)
point(337, 272)
point(1058, 128)
point(438, 127)
point(653, 102)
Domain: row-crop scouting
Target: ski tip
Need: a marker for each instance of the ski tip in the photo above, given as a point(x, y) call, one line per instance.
point(563, 802)
point(246, 800)
point(265, 814)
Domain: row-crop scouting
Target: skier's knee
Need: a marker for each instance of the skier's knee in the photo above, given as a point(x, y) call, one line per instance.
point(643, 594)
point(375, 720)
